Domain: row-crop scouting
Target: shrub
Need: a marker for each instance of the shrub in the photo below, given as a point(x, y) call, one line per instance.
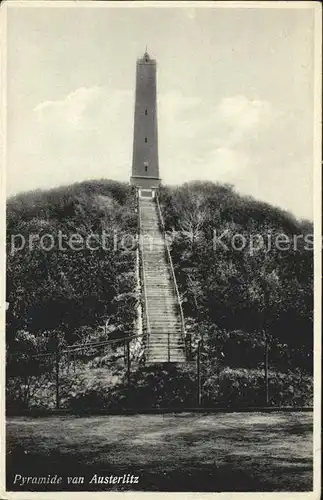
point(245, 387)
point(157, 386)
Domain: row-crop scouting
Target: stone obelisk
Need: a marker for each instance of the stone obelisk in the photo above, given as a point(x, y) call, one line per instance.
point(145, 167)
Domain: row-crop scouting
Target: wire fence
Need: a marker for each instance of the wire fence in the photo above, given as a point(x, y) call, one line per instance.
point(42, 375)
point(49, 379)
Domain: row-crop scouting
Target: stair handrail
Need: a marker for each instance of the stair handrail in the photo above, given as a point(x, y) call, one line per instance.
point(142, 265)
point(161, 221)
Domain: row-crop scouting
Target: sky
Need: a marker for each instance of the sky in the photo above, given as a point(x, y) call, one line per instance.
point(235, 97)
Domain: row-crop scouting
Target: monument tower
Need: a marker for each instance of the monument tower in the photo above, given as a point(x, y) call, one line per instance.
point(145, 168)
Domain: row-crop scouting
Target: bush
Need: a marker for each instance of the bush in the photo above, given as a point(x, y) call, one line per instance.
point(157, 386)
point(245, 387)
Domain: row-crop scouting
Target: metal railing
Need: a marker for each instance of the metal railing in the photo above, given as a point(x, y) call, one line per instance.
point(169, 258)
point(142, 276)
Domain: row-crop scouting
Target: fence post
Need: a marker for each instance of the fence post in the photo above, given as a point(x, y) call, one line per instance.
point(188, 346)
point(168, 346)
point(57, 372)
point(198, 369)
point(128, 363)
point(266, 369)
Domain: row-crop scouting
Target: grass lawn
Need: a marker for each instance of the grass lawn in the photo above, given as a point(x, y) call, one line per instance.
point(170, 452)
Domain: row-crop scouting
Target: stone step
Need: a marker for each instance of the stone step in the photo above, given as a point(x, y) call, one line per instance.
point(164, 347)
point(170, 326)
point(161, 359)
point(159, 327)
point(157, 271)
point(160, 289)
point(157, 274)
point(170, 316)
point(174, 332)
point(176, 343)
point(164, 279)
point(154, 251)
point(155, 257)
point(162, 328)
point(156, 267)
point(164, 351)
point(170, 310)
point(154, 346)
point(157, 322)
point(159, 300)
point(155, 305)
point(159, 348)
point(175, 340)
point(155, 331)
point(157, 288)
point(170, 321)
point(165, 328)
point(162, 294)
point(155, 361)
point(158, 319)
point(162, 283)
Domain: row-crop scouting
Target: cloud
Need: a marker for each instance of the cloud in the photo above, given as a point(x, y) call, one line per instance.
point(244, 113)
point(71, 110)
point(89, 131)
point(88, 134)
point(82, 110)
point(175, 111)
point(214, 142)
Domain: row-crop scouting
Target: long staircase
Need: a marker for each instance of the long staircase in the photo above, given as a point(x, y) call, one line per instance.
point(163, 318)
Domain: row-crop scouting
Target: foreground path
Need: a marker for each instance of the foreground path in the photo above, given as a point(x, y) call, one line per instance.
point(172, 452)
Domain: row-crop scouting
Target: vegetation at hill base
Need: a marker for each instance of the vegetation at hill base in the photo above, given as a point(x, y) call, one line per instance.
point(237, 298)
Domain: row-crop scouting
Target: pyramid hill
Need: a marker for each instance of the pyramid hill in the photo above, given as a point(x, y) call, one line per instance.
point(233, 290)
